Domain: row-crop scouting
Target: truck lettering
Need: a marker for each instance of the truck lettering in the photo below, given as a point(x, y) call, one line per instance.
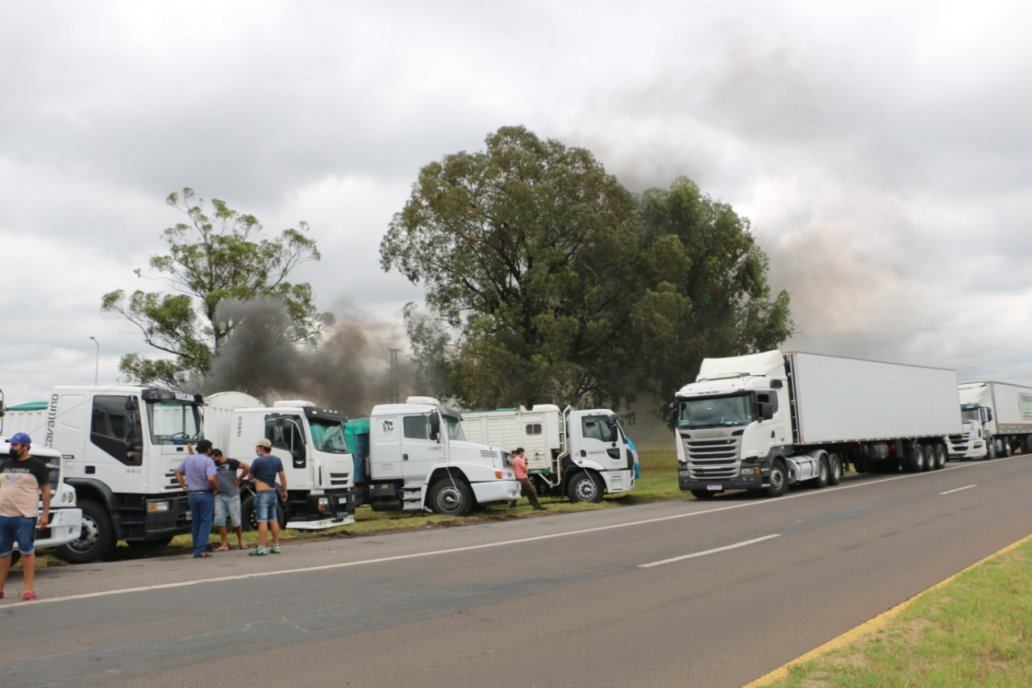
point(48, 440)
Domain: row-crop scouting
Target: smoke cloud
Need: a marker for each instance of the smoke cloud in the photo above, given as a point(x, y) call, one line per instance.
point(348, 370)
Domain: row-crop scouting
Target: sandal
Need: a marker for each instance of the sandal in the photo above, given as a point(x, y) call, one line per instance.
point(29, 596)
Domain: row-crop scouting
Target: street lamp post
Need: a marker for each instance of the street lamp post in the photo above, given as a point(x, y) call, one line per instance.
point(96, 366)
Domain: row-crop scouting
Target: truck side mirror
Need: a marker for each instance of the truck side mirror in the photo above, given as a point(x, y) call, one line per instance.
point(435, 427)
point(988, 415)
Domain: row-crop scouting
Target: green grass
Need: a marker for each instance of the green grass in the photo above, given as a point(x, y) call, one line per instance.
point(976, 630)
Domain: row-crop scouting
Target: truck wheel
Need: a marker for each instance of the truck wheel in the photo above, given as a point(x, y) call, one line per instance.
point(990, 449)
point(1006, 447)
point(835, 474)
point(929, 457)
point(703, 494)
point(941, 456)
point(247, 519)
point(96, 539)
point(451, 497)
point(778, 479)
point(915, 458)
point(822, 472)
point(584, 487)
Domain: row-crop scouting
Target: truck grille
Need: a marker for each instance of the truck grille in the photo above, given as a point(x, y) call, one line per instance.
point(960, 443)
point(712, 457)
point(338, 479)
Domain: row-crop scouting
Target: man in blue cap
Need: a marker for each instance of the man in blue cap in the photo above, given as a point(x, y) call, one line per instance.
point(24, 480)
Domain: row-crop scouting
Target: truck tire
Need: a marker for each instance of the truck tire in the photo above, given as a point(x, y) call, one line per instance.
point(991, 448)
point(778, 479)
point(584, 486)
point(703, 494)
point(823, 472)
point(941, 456)
point(451, 497)
point(835, 464)
point(1006, 447)
point(247, 519)
point(929, 457)
point(96, 539)
point(915, 459)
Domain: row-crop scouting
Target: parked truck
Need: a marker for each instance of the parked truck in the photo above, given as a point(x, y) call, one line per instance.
point(997, 419)
point(119, 445)
point(414, 457)
point(310, 442)
point(65, 516)
point(582, 454)
point(764, 421)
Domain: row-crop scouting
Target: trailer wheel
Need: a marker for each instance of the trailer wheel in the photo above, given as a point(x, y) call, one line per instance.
point(941, 456)
point(835, 475)
point(96, 539)
point(451, 497)
point(703, 494)
point(1027, 446)
point(778, 479)
point(915, 458)
point(584, 486)
point(1006, 447)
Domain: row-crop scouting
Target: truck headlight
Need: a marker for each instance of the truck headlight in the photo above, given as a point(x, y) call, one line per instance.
point(155, 507)
point(323, 504)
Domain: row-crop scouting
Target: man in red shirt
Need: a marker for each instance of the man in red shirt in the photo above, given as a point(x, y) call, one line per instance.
point(519, 467)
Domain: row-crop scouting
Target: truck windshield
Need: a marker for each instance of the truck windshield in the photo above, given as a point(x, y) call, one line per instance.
point(709, 412)
point(173, 422)
point(454, 427)
point(969, 414)
point(328, 436)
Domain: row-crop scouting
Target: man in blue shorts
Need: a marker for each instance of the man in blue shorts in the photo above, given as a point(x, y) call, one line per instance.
point(265, 469)
point(23, 482)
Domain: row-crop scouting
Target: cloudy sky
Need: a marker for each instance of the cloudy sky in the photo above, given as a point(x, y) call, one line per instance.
point(882, 150)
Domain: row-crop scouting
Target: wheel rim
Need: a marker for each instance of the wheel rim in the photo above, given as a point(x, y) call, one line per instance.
point(777, 477)
point(88, 536)
point(585, 489)
point(449, 499)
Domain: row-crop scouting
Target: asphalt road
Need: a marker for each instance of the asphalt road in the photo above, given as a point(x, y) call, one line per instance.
point(682, 593)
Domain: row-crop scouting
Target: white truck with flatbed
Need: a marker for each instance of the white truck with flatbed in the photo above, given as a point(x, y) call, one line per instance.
point(764, 421)
point(997, 419)
point(310, 442)
point(120, 445)
point(583, 454)
point(414, 457)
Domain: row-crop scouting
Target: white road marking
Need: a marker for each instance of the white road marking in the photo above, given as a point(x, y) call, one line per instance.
point(489, 545)
point(959, 489)
point(704, 553)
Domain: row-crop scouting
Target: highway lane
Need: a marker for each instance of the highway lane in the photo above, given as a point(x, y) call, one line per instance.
point(684, 593)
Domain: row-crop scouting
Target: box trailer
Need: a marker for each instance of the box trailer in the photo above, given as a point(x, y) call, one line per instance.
point(997, 419)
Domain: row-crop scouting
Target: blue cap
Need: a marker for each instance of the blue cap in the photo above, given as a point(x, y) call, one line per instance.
point(20, 438)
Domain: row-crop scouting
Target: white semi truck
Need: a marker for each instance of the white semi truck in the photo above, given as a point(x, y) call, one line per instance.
point(120, 445)
point(310, 442)
point(414, 457)
point(764, 421)
point(65, 516)
point(583, 454)
point(997, 421)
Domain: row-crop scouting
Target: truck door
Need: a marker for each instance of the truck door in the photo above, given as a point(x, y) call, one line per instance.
point(601, 441)
point(422, 444)
point(288, 442)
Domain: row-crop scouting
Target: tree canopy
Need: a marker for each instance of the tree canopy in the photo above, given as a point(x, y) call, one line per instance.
point(548, 281)
point(216, 255)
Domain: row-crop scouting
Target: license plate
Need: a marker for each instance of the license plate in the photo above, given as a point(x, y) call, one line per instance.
point(342, 500)
point(714, 488)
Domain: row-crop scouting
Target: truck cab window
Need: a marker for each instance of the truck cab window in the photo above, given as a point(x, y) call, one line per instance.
point(117, 430)
point(598, 428)
point(416, 427)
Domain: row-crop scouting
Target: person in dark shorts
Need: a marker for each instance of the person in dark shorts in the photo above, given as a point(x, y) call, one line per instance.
point(24, 482)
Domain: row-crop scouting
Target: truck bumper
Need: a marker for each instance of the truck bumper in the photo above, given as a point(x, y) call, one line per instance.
point(741, 482)
point(65, 525)
point(332, 508)
point(496, 491)
point(619, 481)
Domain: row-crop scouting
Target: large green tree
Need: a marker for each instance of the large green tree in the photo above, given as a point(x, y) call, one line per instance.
point(547, 281)
point(216, 254)
point(527, 251)
point(708, 293)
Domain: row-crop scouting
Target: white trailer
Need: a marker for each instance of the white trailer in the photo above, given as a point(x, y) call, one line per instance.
point(310, 442)
point(120, 445)
point(764, 421)
point(583, 454)
point(414, 457)
point(997, 420)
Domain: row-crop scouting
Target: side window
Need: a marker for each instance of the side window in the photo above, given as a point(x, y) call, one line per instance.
point(115, 428)
point(416, 427)
point(533, 429)
point(597, 428)
point(285, 434)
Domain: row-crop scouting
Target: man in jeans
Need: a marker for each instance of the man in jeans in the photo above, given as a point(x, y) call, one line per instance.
point(265, 469)
point(227, 499)
point(196, 475)
point(23, 481)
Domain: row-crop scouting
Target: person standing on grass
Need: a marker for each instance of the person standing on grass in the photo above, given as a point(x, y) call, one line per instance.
point(24, 481)
point(228, 473)
point(265, 469)
point(519, 467)
point(196, 475)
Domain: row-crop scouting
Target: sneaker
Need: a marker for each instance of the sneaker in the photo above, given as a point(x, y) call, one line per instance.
point(276, 549)
point(29, 596)
point(258, 552)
